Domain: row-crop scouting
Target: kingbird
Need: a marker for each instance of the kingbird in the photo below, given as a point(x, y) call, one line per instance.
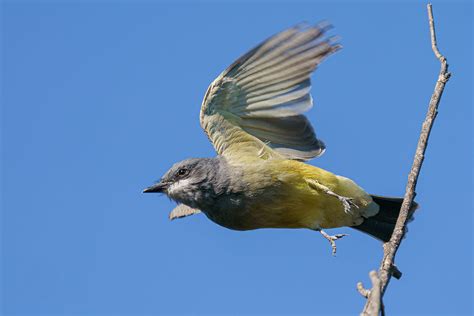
point(253, 115)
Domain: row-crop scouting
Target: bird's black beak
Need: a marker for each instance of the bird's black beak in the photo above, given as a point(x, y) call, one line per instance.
point(159, 187)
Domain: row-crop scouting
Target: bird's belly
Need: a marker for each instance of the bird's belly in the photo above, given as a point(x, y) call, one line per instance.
point(283, 208)
point(282, 194)
point(312, 212)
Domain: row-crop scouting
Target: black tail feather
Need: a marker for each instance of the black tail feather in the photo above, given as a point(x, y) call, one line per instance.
point(381, 225)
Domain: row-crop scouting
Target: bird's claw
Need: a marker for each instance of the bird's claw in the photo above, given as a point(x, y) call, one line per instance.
point(348, 203)
point(332, 239)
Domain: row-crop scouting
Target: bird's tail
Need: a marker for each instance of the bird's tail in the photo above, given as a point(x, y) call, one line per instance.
point(381, 225)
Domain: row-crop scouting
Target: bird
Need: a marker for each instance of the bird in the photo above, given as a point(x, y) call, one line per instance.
point(253, 114)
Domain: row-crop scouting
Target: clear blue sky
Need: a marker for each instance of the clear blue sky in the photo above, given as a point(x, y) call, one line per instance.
point(100, 98)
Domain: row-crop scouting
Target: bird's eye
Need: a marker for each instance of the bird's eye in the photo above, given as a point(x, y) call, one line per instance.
point(182, 172)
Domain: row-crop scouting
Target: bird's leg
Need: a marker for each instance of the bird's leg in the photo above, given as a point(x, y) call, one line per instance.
point(332, 239)
point(347, 202)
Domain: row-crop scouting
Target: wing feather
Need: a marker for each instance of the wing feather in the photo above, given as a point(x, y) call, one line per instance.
point(255, 107)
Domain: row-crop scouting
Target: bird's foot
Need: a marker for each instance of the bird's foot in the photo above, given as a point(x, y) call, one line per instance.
point(348, 203)
point(332, 239)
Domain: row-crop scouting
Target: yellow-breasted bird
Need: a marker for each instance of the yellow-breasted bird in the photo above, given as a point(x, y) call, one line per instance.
point(252, 114)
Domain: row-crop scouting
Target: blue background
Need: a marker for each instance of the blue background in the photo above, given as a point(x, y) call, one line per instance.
point(100, 98)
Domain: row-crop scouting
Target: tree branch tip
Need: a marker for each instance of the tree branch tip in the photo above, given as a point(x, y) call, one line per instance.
point(362, 290)
point(429, 6)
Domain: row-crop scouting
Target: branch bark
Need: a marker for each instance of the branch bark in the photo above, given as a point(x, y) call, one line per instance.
point(380, 280)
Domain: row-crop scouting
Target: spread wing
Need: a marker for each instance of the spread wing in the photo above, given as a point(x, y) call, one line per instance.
point(255, 106)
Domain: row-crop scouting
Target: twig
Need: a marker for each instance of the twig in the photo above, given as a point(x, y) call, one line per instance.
point(374, 299)
point(374, 305)
point(362, 290)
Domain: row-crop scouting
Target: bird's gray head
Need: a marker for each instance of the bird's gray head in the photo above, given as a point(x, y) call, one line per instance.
point(191, 181)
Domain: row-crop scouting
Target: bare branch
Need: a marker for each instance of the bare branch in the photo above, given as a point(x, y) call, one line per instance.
point(434, 43)
point(387, 268)
point(362, 290)
point(375, 296)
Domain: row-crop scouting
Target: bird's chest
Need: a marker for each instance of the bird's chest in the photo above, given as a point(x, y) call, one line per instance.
point(229, 210)
point(265, 202)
